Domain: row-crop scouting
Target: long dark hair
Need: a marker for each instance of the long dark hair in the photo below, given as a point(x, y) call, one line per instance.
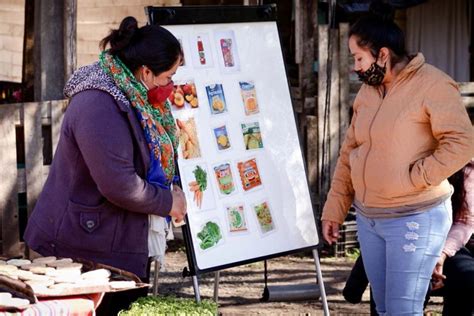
point(150, 45)
point(458, 199)
point(377, 29)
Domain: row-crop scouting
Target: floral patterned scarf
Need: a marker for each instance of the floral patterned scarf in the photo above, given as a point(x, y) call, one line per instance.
point(157, 123)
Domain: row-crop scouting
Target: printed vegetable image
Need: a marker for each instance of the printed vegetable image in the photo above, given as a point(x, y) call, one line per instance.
point(224, 178)
point(209, 235)
point(188, 139)
point(264, 217)
point(216, 98)
point(222, 137)
point(252, 135)
point(236, 218)
point(249, 96)
point(199, 186)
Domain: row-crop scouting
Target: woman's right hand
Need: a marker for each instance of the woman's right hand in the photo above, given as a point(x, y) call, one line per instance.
point(330, 231)
point(178, 209)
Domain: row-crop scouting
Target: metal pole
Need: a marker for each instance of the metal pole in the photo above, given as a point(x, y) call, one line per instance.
point(216, 286)
point(196, 289)
point(320, 282)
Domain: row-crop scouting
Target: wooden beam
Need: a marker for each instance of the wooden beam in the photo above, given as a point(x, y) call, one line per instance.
point(49, 50)
point(70, 37)
point(466, 87)
point(322, 86)
point(28, 70)
point(9, 227)
point(334, 119)
point(312, 152)
point(345, 105)
point(34, 153)
point(299, 30)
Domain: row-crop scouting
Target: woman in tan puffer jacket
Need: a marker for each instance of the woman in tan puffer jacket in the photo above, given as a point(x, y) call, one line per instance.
point(409, 133)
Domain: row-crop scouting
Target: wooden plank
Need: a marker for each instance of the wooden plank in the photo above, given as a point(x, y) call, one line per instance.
point(334, 120)
point(344, 80)
point(8, 174)
point(466, 87)
point(309, 104)
point(468, 102)
point(57, 115)
point(322, 86)
point(33, 152)
point(299, 30)
point(312, 152)
point(70, 37)
point(21, 180)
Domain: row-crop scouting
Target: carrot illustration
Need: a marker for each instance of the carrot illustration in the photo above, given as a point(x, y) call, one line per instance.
point(199, 186)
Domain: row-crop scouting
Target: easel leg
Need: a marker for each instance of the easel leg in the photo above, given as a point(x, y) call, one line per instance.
point(155, 277)
point(216, 286)
point(197, 295)
point(320, 282)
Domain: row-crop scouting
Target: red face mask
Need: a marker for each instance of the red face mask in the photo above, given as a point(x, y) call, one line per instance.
point(159, 94)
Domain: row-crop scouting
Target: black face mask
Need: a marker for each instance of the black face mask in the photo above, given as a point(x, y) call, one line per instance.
point(372, 76)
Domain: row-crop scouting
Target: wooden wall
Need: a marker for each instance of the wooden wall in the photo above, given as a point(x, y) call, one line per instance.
point(12, 19)
point(95, 18)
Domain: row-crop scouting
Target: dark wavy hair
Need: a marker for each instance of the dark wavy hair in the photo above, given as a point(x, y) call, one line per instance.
point(150, 45)
point(458, 199)
point(377, 29)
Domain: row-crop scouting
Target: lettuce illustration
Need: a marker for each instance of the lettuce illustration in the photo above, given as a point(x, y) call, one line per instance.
point(209, 235)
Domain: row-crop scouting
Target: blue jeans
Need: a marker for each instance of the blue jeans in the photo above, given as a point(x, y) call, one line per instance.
point(400, 254)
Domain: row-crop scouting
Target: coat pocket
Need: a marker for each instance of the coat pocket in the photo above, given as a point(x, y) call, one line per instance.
point(89, 228)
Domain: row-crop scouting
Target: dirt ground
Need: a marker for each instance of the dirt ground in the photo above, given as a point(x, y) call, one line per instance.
point(241, 288)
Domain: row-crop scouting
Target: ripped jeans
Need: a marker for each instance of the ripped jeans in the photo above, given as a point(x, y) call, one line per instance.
point(400, 254)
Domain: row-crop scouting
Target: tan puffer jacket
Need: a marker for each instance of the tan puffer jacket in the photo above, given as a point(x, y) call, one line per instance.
point(400, 149)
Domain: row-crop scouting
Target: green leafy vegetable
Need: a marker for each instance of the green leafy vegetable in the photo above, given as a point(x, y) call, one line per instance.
point(209, 235)
point(201, 178)
point(169, 305)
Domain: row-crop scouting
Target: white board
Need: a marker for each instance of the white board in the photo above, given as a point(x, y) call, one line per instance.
point(226, 55)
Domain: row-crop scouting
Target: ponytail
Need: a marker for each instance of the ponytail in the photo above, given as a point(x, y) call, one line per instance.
point(150, 45)
point(121, 38)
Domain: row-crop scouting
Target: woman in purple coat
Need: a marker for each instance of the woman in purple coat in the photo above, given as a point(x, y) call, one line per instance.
point(116, 157)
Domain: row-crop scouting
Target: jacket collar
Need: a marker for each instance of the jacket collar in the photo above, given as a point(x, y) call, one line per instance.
point(415, 63)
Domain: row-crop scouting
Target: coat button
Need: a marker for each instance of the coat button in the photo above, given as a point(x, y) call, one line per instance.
point(90, 224)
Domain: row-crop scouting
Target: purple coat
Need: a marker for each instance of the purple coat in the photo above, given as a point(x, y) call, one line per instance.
point(95, 202)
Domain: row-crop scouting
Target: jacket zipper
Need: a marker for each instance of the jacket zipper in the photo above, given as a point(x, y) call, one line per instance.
point(368, 152)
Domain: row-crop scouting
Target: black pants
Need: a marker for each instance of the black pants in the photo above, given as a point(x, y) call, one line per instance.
point(458, 290)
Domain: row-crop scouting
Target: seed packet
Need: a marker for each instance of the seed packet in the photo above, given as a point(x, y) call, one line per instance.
point(224, 178)
point(249, 174)
point(227, 51)
point(264, 217)
point(222, 137)
point(252, 135)
point(188, 138)
point(215, 95)
point(236, 218)
point(249, 97)
point(226, 48)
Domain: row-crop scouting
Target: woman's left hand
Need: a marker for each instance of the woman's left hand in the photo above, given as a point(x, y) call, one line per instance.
point(437, 278)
